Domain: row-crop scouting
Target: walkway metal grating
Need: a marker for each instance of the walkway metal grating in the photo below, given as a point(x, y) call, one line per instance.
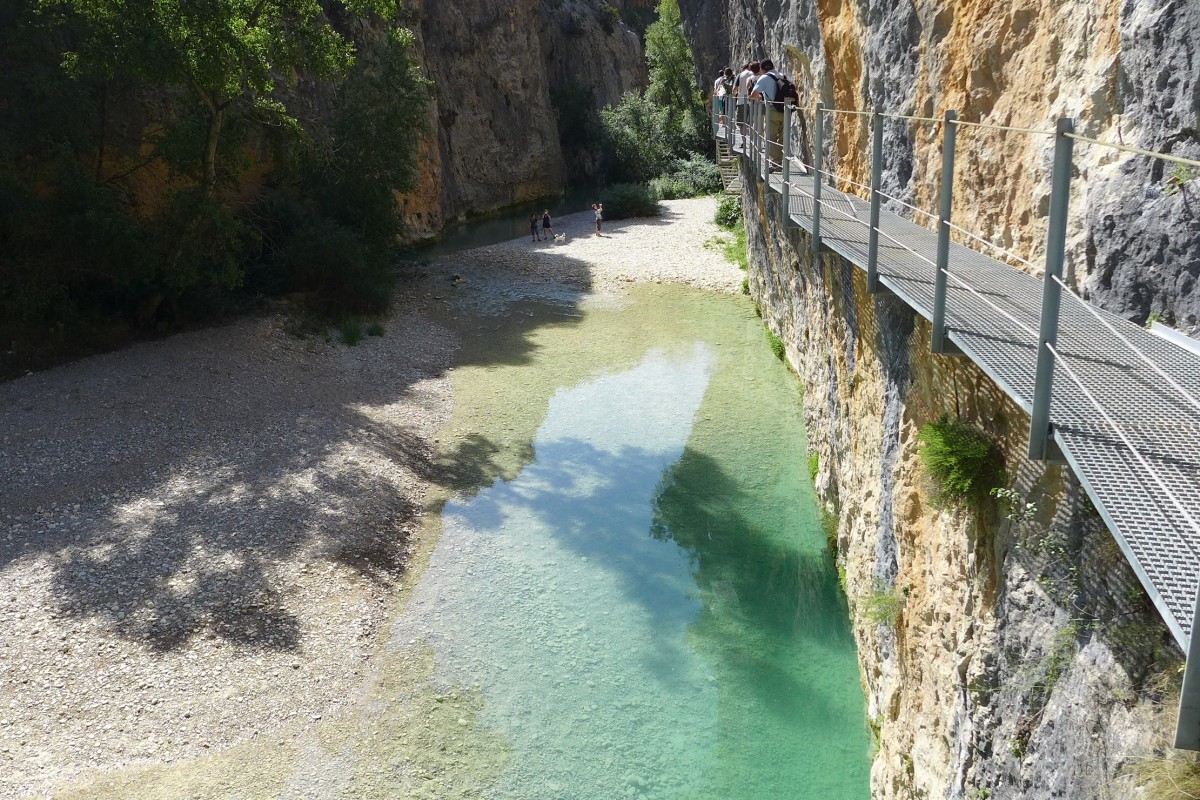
point(1162, 545)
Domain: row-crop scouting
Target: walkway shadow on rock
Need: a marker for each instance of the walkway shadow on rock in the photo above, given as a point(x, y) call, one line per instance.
point(219, 471)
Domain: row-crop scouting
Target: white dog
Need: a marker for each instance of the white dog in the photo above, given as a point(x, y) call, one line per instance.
point(560, 238)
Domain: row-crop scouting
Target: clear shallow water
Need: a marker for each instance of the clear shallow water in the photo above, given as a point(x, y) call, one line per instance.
point(646, 607)
point(627, 594)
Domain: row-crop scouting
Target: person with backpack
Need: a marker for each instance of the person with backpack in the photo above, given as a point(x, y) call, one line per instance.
point(777, 91)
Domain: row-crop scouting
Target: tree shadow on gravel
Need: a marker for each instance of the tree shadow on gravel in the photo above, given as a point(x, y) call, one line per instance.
point(194, 486)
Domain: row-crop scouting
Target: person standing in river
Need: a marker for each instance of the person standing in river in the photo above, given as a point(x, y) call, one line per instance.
point(547, 225)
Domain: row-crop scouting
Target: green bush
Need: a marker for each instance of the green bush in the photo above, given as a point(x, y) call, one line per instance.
point(688, 177)
point(729, 212)
point(625, 200)
point(745, 286)
point(883, 604)
point(814, 466)
point(960, 461)
point(777, 346)
point(351, 330)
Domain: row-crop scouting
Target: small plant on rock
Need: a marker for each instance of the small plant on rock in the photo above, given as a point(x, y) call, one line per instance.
point(960, 461)
point(883, 604)
point(777, 346)
point(1017, 510)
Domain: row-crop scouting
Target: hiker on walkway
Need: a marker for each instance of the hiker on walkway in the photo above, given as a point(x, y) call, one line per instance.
point(743, 85)
point(599, 209)
point(533, 226)
point(726, 83)
point(547, 225)
point(767, 89)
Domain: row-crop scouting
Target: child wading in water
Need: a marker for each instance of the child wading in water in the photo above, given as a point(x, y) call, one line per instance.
point(599, 209)
point(533, 227)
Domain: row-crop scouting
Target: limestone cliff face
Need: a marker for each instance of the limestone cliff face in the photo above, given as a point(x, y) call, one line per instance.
point(1127, 70)
point(1024, 661)
point(494, 133)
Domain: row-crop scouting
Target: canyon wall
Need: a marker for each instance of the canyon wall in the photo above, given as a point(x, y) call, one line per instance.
point(1127, 71)
point(496, 64)
point(1001, 658)
point(1024, 659)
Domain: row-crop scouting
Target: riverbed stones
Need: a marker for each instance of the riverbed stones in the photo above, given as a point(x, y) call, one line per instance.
point(200, 537)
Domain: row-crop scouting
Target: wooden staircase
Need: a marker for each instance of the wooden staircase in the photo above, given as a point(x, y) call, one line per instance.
point(731, 174)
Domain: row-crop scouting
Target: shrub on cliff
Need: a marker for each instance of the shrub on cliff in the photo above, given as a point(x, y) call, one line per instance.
point(961, 463)
point(625, 200)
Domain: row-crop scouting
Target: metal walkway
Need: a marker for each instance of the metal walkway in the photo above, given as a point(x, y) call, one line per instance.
point(1134, 442)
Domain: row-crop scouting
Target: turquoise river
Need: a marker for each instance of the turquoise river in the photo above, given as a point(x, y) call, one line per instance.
point(627, 592)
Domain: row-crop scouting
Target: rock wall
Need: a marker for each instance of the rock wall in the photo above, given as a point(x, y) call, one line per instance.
point(493, 138)
point(1024, 660)
point(1127, 70)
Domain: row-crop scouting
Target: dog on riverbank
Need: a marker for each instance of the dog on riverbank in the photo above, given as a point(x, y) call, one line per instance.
point(560, 238)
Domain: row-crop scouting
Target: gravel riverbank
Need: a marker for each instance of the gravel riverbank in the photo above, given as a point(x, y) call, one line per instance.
point(199, 537)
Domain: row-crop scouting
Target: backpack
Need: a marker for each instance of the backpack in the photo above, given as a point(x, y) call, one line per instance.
point(727, 85)
point(785, 93)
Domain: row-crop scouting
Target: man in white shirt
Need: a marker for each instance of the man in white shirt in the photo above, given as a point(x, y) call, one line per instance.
point(743, 87)
point(766, 89)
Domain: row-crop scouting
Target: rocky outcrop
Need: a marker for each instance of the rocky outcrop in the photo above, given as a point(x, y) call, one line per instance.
point(1024, 660)
point(494, 138)
point(1126, 71)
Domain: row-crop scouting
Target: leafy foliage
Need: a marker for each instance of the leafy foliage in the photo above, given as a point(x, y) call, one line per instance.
point(961, 462)
point(648, 133)
point(729, 212)
point(672, 77)
point(777, 345)
point(689, 177)
point(117, 176)
point(625, 200)
point(883, 604)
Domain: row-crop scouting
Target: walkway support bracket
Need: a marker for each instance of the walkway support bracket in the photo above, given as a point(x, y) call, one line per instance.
point(818, 177)
point(876, 181)
point(1041, 446)
point(1187, 724)
point(787, 165)
point(766, 160)
point(939, 343)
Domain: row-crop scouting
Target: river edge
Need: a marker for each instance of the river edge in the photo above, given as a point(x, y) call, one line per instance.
point(342, 595)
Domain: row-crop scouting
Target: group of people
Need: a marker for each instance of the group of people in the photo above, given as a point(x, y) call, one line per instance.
point(542, 228)
point(758, 80)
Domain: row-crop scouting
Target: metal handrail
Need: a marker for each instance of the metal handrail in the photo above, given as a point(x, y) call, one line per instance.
point(1187, 162)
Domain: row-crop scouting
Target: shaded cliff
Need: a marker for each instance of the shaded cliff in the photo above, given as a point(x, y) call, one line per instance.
point(1126, 71)
point(496, 65)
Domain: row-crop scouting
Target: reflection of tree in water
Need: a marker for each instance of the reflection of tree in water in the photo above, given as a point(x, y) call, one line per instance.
point(761, 597)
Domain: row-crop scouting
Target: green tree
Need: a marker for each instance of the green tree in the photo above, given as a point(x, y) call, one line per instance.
point(673, 78)
point(228, 55)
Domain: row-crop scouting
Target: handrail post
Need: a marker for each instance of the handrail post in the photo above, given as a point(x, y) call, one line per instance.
point(1056, 243)
point(876, 181)
point(938, 342)
point(818, 153)
point(766, 154)
point(787, 168)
